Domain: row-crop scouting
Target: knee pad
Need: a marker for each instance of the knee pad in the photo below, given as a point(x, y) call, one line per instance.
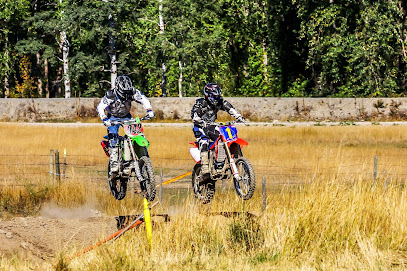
point(113, 140)
point(203, 144)
point(197, 132)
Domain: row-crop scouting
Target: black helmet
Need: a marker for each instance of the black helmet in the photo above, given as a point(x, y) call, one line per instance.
point(123, 87)
point(212, 93)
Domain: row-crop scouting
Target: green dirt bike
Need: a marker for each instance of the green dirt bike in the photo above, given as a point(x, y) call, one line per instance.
point(134, 162)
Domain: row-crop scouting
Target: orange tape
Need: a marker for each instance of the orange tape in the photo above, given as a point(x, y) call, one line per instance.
point(176, 178)
point(103, 241)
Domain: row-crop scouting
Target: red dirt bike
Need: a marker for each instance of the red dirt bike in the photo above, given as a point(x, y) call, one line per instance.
point(134, 161)
point(225, 160)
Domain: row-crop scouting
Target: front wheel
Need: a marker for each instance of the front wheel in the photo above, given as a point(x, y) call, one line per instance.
point(117, 185)
point(204, 190)
point(147, 172)
point(247, 183)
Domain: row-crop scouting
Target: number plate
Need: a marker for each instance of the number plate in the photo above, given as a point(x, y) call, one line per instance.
point(133, 128)
point(229, 133)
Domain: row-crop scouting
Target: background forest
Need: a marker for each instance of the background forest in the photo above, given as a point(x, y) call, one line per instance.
point(285, 48)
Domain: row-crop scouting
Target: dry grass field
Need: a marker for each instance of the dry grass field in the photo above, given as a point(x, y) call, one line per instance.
point(325, 209)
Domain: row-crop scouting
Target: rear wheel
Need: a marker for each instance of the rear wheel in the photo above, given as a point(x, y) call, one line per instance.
point(247, 183)
point(148, 184)
point(117, 185)
point(204, 190)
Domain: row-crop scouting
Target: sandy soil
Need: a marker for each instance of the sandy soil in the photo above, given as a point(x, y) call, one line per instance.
point(54, 230)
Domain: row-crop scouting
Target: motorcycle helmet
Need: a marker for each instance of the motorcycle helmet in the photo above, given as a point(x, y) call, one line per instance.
point(212, 93)
point(123, 87)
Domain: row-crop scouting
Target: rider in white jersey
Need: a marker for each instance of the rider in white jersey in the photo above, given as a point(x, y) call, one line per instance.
point(116, 105)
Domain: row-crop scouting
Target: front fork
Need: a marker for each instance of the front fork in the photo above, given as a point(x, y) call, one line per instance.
point(233, 166)
point(135, 161)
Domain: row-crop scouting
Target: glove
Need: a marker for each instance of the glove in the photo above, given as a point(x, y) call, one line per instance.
point(241, 119)
point(150, 114)
point(107, 122)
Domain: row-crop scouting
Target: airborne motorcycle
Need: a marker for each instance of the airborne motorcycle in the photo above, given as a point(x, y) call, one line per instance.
point(225, 160)
point(134, 162)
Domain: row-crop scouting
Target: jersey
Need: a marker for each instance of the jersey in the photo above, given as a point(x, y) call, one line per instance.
point(120, 108)
point(202, 111)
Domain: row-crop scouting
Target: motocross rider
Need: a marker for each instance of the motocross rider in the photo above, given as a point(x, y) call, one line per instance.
point(204, 113)
point(117, 104)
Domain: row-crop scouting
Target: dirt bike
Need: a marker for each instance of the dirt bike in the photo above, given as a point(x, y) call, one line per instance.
point(225, 160)
point(134, 162)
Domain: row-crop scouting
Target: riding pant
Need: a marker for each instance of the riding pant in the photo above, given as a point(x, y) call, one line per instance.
point(113, 131)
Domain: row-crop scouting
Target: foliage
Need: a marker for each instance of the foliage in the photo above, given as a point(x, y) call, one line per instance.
point(26, 88)
point(293, 48)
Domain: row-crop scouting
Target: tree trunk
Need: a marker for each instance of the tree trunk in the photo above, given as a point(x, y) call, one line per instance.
point(59, 83)
point(180, 79)
point(46, 77)
point(6, 56)
point(403, 55)
point(265, 64)
point(64, 45)
point(65, 54)
point(6, 87)
point(39, 81)
point(164, 67)
point(112, 53)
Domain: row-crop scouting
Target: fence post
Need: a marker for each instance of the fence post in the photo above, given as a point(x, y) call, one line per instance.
point(375, 169)
point(57, 167)
point(64, 168)
point(51, 165)
point(161, 186)
point(264, 194)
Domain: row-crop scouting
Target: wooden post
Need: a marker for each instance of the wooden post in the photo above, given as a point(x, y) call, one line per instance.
point(57, 166)
point(64, 168)
point(161, 186)
point(264, 194)
point(51, 165)
point(375, 169)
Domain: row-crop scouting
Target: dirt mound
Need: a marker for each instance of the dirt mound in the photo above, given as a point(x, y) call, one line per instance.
point(54, 230)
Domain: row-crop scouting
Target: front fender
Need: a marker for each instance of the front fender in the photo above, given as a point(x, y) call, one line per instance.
point(141, 141)
point(239, 141)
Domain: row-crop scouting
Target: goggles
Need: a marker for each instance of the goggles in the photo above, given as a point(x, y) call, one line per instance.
point(214, 97)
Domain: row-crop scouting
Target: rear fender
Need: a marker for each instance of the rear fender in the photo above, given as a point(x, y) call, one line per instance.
point(105, 146)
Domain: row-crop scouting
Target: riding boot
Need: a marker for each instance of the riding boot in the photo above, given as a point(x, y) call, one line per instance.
point(114, 160)
point(204, 162)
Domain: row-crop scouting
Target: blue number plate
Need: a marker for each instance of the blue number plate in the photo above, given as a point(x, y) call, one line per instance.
point(228, 132)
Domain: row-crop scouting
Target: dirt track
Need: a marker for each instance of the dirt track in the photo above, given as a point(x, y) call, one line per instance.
point(54, 230)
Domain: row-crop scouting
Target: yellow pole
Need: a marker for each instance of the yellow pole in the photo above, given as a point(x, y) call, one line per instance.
point(147, 220)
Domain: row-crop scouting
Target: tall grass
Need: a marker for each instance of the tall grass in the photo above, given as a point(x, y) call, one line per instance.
point(324, 209)
point(325, 226)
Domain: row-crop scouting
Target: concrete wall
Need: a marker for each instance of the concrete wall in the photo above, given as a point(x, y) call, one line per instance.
point(256, 109)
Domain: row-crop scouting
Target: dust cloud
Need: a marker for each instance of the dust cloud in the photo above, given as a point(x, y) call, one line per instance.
point(53, 211)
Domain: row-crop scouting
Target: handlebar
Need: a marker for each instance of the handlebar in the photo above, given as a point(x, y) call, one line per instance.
point(218, 124)
point(121, 122)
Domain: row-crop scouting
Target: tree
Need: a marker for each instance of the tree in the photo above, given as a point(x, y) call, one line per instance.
point(11, 14)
